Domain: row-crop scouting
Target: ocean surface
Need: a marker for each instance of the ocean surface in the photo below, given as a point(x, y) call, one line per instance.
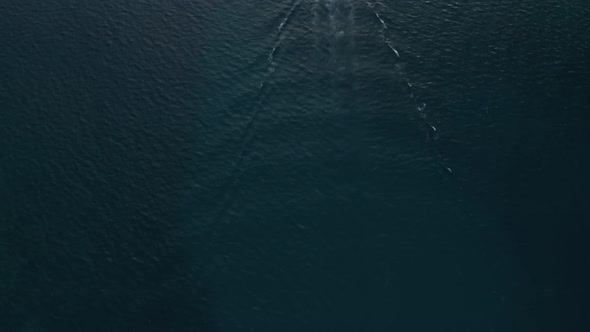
point(294, 165)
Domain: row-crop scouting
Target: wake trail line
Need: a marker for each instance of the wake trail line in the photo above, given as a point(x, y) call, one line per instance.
point(431, 131)
point(384, 27)
point(270, 67)
point(256, 108)
point(294, 7)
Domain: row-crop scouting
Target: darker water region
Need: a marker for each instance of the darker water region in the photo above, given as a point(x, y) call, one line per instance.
point(296, 165)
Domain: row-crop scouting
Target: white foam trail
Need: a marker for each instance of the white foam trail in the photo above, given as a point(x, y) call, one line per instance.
point(289, 15)
point(280, 38)
point(283, 24)
point(371, 5)
point(270, 68)
point(393, 49)
point(271, 55)
point(380, 19)
point(420, 107)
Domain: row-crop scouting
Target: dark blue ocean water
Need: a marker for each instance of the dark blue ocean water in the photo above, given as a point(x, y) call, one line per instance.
point(294, 165)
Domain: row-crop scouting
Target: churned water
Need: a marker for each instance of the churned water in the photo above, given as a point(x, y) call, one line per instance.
point(294, 165)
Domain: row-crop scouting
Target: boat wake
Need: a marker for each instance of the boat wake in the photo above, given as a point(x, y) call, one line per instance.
point(431, 132)
point(289, 15)
point(270, 63)
point(255, 110)
point(333, 23)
